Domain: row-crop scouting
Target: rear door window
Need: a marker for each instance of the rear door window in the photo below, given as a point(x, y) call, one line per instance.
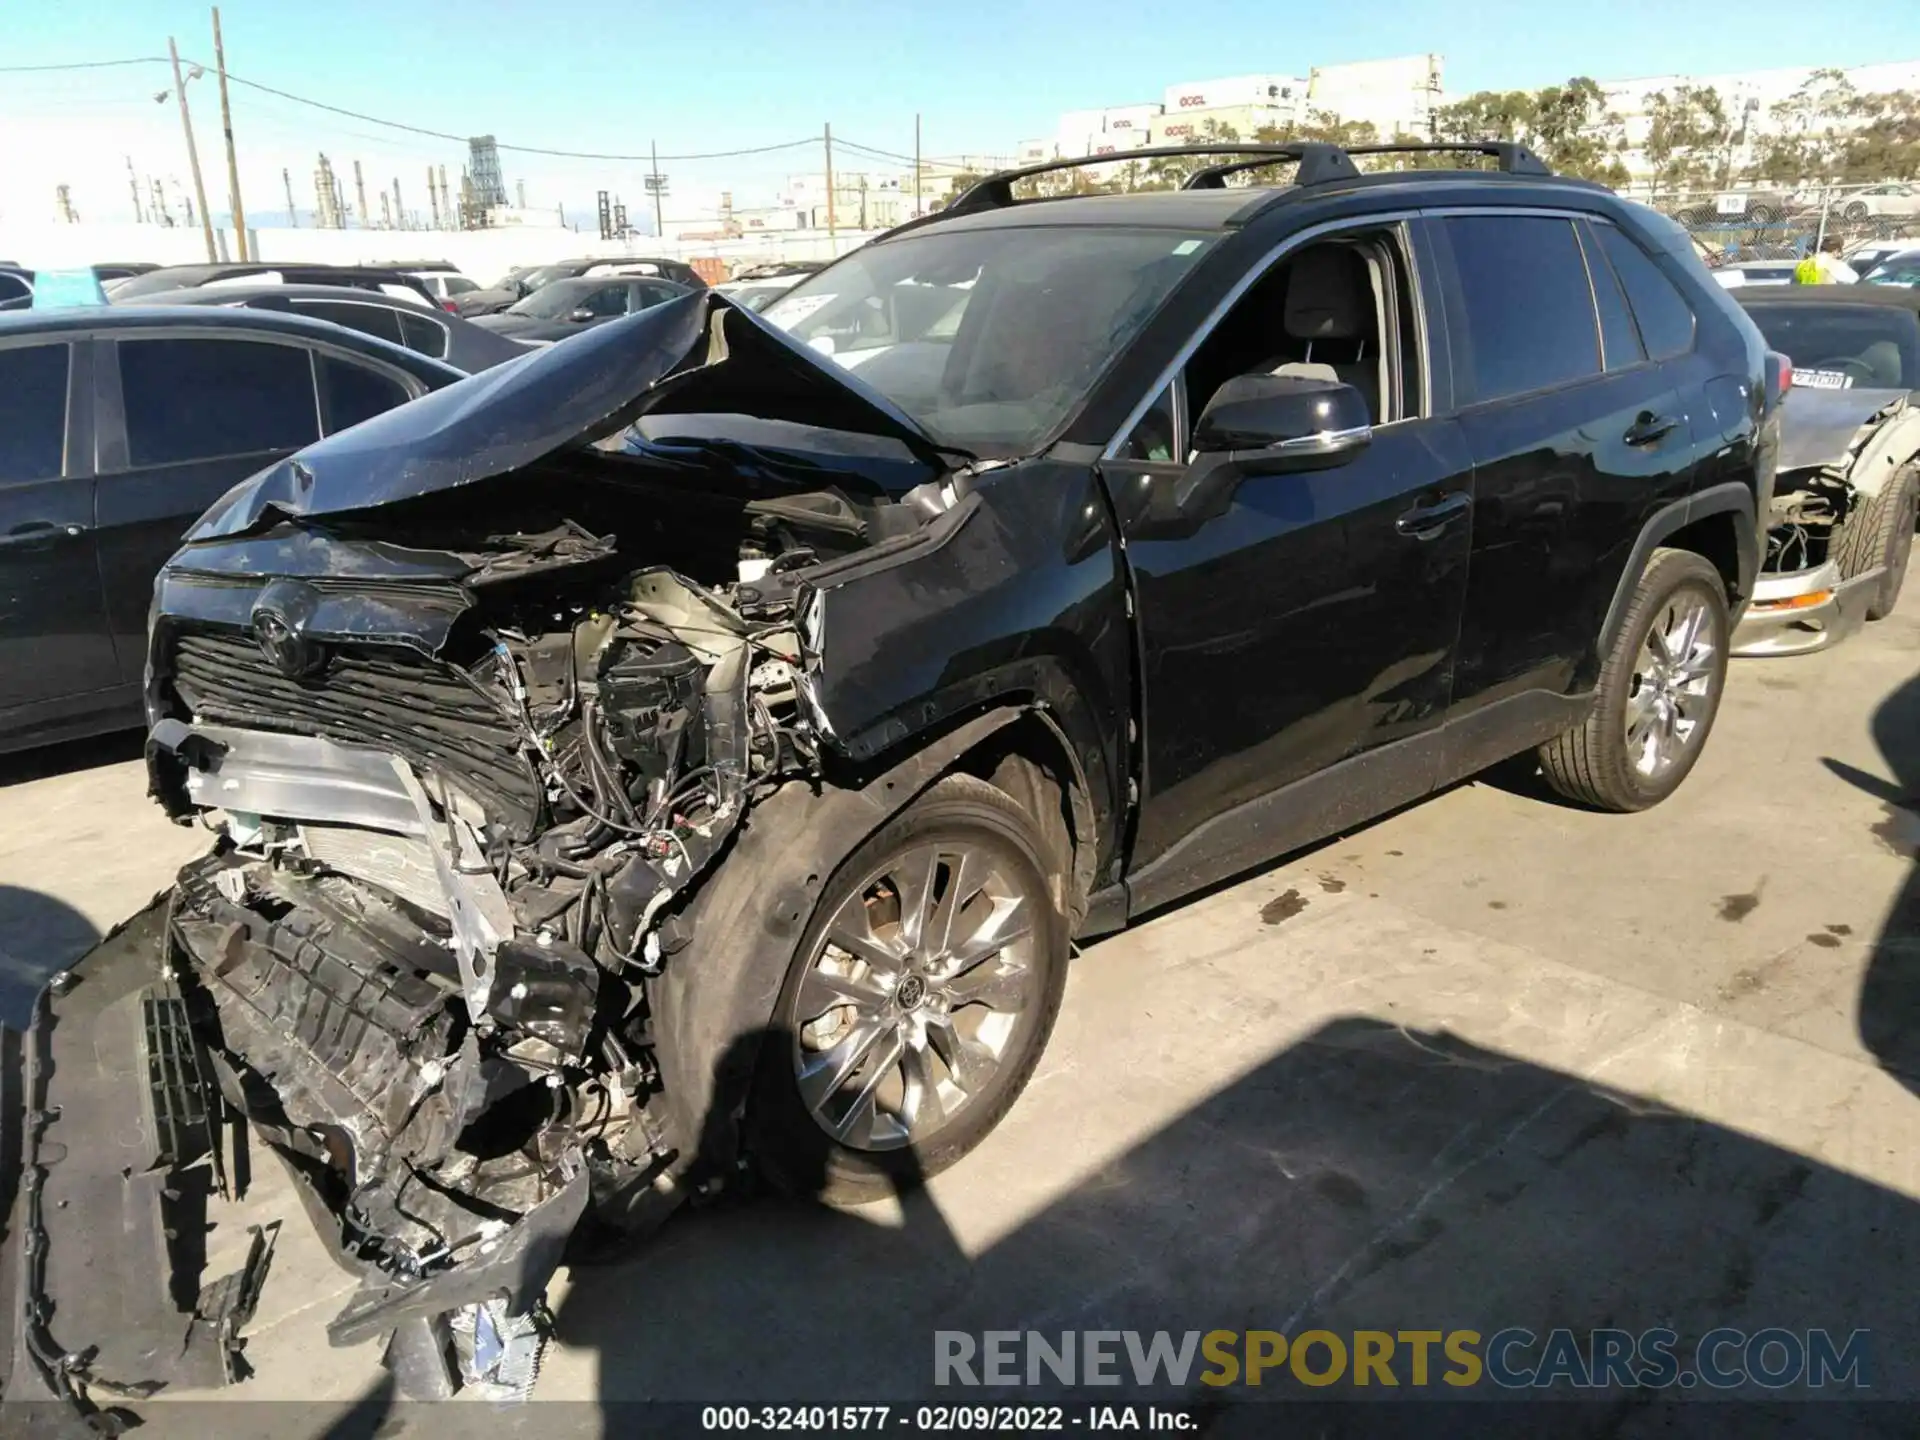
point(33, 412)
point(200, 399)
point(1529, 310)
point(380, 321)
point(1666, 320)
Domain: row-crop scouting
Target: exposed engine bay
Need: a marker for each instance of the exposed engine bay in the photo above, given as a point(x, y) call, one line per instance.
point(421, 951)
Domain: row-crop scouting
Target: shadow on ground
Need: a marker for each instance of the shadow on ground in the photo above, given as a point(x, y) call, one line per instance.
point(1369, 1177)
point(1889, 1008)
point(38, 935)
point(68, 756)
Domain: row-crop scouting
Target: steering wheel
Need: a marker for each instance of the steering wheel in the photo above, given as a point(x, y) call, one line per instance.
point(1862, 372)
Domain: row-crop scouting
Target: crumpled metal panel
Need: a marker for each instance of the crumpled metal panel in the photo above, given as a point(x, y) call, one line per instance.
point(1818, 427)
point(698, 353)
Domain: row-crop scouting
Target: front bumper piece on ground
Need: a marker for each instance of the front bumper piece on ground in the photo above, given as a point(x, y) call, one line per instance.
point(1802, 611)
point(117, 1166)
point(122, 1166)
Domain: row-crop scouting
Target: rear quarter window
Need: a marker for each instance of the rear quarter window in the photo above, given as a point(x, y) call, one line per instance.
point(1666, 320)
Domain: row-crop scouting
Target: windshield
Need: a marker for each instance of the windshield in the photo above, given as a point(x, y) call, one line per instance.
point(1900, 269)
point(1841, 347)
point(989, 338)
point(556, 301)
point(542, 275)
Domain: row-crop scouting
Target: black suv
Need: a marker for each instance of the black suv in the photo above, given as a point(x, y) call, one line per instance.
point(705, 738)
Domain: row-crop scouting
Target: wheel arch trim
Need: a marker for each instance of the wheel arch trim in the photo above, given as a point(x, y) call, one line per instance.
point(1734, 498)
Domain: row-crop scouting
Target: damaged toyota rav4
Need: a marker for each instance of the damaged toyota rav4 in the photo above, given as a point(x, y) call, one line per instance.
point(698, 745)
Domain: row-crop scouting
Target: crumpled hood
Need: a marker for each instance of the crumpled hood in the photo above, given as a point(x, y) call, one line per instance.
point(698, 354)
point(1817, 427)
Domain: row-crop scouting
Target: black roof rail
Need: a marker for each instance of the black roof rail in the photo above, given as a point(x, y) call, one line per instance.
point(1514, 158)
point(1319, 163)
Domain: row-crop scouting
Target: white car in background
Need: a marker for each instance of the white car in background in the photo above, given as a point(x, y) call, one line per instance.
point(445, 285)
point(1889, 199)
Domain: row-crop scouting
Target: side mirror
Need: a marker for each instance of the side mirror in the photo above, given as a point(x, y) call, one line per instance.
point(1264, 425)
point(1287, 422)
point(581, 315)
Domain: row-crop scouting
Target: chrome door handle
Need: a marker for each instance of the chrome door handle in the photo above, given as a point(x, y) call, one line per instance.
point(1423, 522)
point(38, 532)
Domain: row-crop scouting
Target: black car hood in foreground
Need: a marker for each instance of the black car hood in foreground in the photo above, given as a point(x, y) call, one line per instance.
point(1817, 427)
point(700, 354)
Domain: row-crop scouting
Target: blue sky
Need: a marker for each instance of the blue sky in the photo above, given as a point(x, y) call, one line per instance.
point(598, 76)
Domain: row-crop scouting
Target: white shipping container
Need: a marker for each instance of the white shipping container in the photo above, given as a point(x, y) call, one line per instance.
point(1244, 121)
point(1102, 142)
point(1237, 90)
point(1128, 117)
point(1032, 152)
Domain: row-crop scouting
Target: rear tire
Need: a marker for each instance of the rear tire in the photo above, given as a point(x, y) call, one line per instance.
point(898, 1046)
point(1881, 533)
point(1659, 691)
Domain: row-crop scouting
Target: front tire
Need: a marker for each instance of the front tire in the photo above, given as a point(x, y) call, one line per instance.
point(1881, 534)
point(919, 1001)
point(1658, 694)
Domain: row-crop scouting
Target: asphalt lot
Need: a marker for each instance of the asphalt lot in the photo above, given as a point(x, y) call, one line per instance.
point(1491, 1061)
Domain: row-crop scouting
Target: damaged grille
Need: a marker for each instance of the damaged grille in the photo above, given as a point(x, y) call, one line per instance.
point(394, 700)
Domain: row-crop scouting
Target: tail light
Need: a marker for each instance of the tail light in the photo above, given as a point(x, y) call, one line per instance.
point(450, 307)
point(1779, 374)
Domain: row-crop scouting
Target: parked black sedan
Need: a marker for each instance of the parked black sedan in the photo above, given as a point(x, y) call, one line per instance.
point(566, 307)
point(434, 333)
point(118, 426)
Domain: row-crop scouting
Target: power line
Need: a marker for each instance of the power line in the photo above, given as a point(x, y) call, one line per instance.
point(261, 86)
point(84, 65)
point(518, 149)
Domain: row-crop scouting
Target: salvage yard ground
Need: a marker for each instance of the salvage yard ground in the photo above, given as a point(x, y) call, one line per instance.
point(1492, 1061)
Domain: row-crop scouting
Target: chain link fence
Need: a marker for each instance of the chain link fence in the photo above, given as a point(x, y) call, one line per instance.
point(1766, 223)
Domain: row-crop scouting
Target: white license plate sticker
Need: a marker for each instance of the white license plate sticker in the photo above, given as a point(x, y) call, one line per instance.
point(1823, 379)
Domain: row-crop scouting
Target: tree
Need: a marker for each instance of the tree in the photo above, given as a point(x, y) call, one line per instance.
point(1807, 141)
point(1689, 142)
point(1885, 145)
point(1569, 126)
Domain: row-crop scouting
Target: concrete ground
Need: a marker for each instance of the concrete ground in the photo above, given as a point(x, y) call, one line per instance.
point(1490, 1062)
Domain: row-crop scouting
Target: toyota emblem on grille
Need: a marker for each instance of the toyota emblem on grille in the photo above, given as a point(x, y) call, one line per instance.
point(284, 647)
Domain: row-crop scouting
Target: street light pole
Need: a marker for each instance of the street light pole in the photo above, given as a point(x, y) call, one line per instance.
point(193, 154)
point(226, 125)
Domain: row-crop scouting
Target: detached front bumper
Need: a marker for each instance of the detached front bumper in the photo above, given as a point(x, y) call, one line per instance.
point(114, 1163)
point(1802, 611)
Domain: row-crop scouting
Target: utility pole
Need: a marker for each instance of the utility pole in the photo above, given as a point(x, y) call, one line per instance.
point(360, 189)
point(399, 215)
point(433, 199)
point(653, 184)
point(447, 211)
point(916, 163)
point(832, 249)
point(520, 190)
point(293, 215)
point(139, 214)
point(386, 212)
point(157, 203)
point(238, 211)
point(193, 154)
